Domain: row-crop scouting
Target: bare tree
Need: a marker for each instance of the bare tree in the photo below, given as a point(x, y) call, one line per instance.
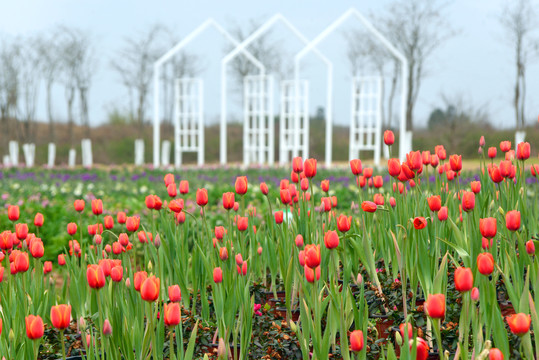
point(51, 65)
point(30, 79)
point(416, 28)
point(264, 49)
point(519, 22)
point(10, 54)
point(134, 64)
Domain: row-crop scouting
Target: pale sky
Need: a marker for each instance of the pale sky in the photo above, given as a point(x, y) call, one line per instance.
point(476, 65)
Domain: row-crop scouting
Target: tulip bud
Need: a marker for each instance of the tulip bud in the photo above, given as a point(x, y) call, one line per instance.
point(530, 247)
point(475, 294)
point(107, 328)
point(299, 241)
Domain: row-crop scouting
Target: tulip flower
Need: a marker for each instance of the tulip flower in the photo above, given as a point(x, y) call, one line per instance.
point(356, 340)
point(435, 202)
point(223, 253)
point(264, 188)
point(109, 222)
point(488, 227)
point(278, 217)
point(61, 260)
point(217, 275)
point(121, 217)
point(132, 223)
point(174, 293)
point(435, 306)
point(169, 179)
point(241, 185)
point(420, 222)
point(324, 185)
point(422, 348)
point(495, 354)
point(297, 164)
point(107, 328)
point(394, 167)
point(172, 190)
point(139, 278)
point(468, 201)
point(485, 263)
point(299, 241)
point(476, 187)
point(410, 330)
point(21, 230)
point(344, 223)
point(455, 161)
point(36, 248)
point(13, 212)
point(312, 255)
point(6, 240)
point(519, 323)
point(184, 187)
point(355, 166)
point(34, 327)
point(331, 239)
point(242, 223)
point(286, 198)
point(38, 220)
point(463, 279)
point(505, 146)
point(172, 314)
point(61, 316)
point(389, 137)
point(97, 206)
point(310, 273)
point(512, 220)
point(310, 168)
point(368, 206)
point(202, 197)
point(79, 205)
point(492, 152)
point(228, 200)
point(149, 290)
point(530, 247)
point(95, 276)
point(21, 262)
point(475, 294)
point(47, 268)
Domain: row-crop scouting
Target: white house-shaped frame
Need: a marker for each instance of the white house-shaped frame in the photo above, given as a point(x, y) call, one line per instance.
point(240, 48)
point(180, 95)
point(405, 138)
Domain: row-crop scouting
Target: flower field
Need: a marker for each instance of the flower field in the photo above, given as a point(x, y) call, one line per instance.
point(417, 260)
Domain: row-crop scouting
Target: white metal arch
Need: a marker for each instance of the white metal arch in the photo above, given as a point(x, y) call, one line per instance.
point(167, 56)
point(403, 148)
point(241, 47)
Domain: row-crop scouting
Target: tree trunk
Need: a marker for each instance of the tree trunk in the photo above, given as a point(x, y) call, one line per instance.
point(410, 97)
point(392, 92)
point(70, 116)
point(52, 132)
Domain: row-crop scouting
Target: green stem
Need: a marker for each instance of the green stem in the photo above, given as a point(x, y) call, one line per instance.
point(63, 345)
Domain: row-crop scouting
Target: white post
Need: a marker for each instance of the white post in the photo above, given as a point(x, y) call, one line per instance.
point(222, 129)
point(29, 151)
point(378, 136)
point(329, 116)
point(72, 158)
point(165, 153)
point(51, 155)
point(139, 152)
point(271, 123)
point(403, 142)
point(520, 136)
point(14, 153)
point(156, 121)
point(306, 119)
point(200, 159)
point(87, 158)
point(248, 113)
point(352, 132)
point(6, 161)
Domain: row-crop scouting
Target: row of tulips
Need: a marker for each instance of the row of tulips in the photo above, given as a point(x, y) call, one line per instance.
point(437, 239)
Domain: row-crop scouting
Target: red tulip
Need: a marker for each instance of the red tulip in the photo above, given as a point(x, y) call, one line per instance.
point(456, 162)
point(6, 240)
point(389, 137)
point(109, 222)
point(492, 152)
point(184, 187)
point(310, 273)
point(38, 220)
point(368, 206)
point(519, 323)
point(149, 290)
point(435, 306)
point(485, 263)
point(434, 160)
point(344, 223)
point(97, 206)
point(107, 328)
point(512, 220)
point(495, 354)
point(139, 278)
point(435, 202)
point(242, 223)
point(13, 212)
point(488, 227)
point(299, 241)
point(202, 197)
point(217, 275)
point(169, 179)
point(264, 188)
point(172, 190)
point(34, 327)
point(117, 273)
point(325, 186)
point(463, 279)
point(286, 198)
point(241, 185)
point(475, 294)
point(312, 255)
point(36, 248)
point(172, 314)
point(132, 223)
point(79, 205)
point(310, 168)
point(121, 217)
point(95, 276)
point(505, 146)
point(356, 340)
point(21, 230)
point(355, 166)
point(176, 205)
point(61, 316)
point(278, 217)
point(442, 214)
point(495, 174)
point(47, 268)
point(530, 247)
point(331, 239)
point(410, 330)
point(420, 222)
point(394, 167)
point(422, 348)
point(228, 200)
point(174, 293)
point(468, 201)
point(22, 263)
point(297, 164)
point(476, 186)
point(61, 260)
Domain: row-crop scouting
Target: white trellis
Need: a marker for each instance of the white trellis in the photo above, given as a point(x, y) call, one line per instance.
point(188, 119)
point(404, 146)
point(366, 121)
point(292, 142)
point(157, 69)
point(258, 121)
point(230, 56)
